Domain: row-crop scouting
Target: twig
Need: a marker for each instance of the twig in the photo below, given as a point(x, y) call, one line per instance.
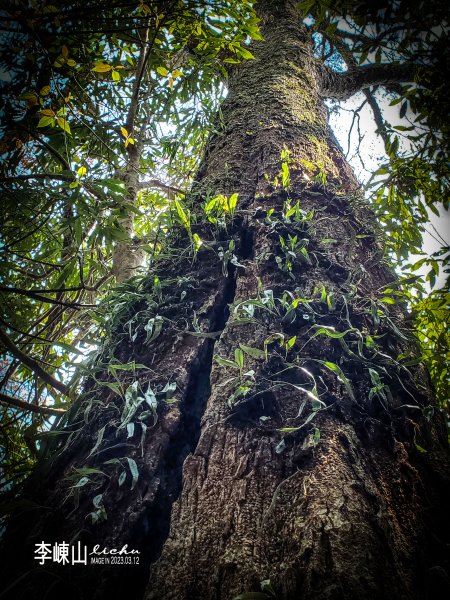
point(22, 405)
point(33, 365)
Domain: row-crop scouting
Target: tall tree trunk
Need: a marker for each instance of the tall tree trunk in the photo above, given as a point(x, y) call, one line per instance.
point(224, 499)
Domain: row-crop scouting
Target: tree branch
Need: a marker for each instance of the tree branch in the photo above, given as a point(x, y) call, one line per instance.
point(142, 62)
point(55, 176)
point(88, 288)
point(43, 143)
point(33, 365)
point(341, 86)
point(160, 185)
point(35, 296)
point(378, 116)
point(22, 405)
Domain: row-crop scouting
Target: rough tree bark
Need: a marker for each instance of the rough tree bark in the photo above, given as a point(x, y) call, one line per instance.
point(220, 504)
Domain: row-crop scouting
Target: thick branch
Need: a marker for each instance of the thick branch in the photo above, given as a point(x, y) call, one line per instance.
point(22, 405)
point(33, 365)
point(341, 86)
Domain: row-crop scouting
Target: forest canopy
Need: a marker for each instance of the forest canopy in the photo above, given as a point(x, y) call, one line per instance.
point(106, 107)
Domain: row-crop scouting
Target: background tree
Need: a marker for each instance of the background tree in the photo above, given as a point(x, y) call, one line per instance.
point(100, 103)
point(315, 430)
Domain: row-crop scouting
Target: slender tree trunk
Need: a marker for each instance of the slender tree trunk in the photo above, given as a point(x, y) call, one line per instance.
point(225, 500)
point(127, 256)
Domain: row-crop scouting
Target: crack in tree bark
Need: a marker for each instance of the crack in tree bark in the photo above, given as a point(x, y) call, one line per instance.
point(154, 525)
point(193, 407)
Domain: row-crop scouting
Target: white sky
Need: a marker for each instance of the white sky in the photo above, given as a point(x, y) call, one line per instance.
point(373, 155)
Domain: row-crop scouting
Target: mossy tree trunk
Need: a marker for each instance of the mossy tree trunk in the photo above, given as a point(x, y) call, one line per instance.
point(345, 503)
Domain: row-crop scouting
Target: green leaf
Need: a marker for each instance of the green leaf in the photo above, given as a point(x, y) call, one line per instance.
point(232, 201)
point(331, 302)
point(245, 53)
point(100, 434)
point(89, 471)
point(285, 175)
point(420, 449)
point(340, 375)
point(254, 352)
point(288, 429)
point(281, 446)
point(375, 315)
point(274, 337)
point(115, 387)
point(65, 346)
point(291, 342)
point(143, 434)
point(375, 377)
point(252, 596)
point(82, 482)
point(132, 403)
point(102, 68)
point(403, 109)
point(182, 214)
point(316, 436)
point(239, 357)
point(162, 71)
point(225, 362)
point(64, 125)
point(45, 121)
point(329, 332)
point(132, 366)
point(134, 471)
point(151, 400)
point(197, 241)
point(153, 328)
point(266, 586)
